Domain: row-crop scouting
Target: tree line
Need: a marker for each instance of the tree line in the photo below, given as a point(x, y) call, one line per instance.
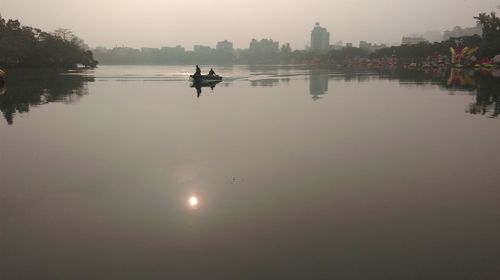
point(488, 43)
point(28, 47)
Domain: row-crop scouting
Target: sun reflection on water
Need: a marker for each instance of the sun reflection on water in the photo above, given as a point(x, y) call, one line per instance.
point(193, 201)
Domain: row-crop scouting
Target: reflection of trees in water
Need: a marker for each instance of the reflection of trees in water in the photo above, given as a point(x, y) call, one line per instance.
point(487, 97)
point(359, 76)
point(485, 85)
point(25, 89)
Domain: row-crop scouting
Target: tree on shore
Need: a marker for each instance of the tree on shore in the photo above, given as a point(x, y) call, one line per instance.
point(491, 25)
point(491, 33)
point(24, 46)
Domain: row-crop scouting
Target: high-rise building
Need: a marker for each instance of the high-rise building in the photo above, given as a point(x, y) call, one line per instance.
point(224, 46)
point(264, 46)
point(320, 38)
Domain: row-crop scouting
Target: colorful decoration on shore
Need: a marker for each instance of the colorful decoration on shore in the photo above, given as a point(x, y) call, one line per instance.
point(462, 55)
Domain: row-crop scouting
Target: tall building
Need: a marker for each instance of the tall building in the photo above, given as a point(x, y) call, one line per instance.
point(365, 45)
point(225, 46)
point(264, 46)
point(320, 38)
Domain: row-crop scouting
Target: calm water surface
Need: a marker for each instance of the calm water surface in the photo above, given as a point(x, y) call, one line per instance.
point(276, 173)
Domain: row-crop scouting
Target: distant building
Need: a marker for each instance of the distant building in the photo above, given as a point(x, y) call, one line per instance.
point(412, 40)
point(176, 49)
point(365, 45)
point(337, 46)
point(264, 46)
point(150, 50)
point(458, 31)
point(202, 49)
point(125, 51)
point(369, 47)
point(433, 36)
point(348, 45)
point(224, 46)
point(320, 38)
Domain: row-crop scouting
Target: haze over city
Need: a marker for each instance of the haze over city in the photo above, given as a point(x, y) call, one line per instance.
point(238, 139)
point(155, 23)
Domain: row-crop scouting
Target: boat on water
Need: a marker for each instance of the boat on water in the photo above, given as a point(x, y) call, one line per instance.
point(205, 78)
point(197, 77)
point(204, 83)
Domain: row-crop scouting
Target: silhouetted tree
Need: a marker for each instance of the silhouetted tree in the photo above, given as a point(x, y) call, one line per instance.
point(24, 46)
point(491, 33)
point(490, 23)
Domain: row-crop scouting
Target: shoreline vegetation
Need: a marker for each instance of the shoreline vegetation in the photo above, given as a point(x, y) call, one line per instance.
point(29, 47)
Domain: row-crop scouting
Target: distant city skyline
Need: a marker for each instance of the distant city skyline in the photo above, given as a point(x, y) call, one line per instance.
point(156, 23)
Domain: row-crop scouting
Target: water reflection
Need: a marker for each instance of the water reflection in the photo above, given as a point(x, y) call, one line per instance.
point(145, 177)
point(484, 85)
point(25, 89)
point(199, 85)
point(487, 101)
point(461, 79)
point(268, 82)
point(318, 83)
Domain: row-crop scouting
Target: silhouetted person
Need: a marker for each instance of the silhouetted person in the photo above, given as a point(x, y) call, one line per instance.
point(2, 76)
point(198, 71)
point(212, 72)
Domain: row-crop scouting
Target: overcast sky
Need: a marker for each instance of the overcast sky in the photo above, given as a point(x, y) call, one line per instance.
point(155, 23)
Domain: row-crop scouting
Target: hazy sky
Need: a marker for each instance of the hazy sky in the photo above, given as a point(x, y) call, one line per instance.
point(155, 23)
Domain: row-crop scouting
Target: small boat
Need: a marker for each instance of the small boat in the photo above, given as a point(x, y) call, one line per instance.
point(205, 78)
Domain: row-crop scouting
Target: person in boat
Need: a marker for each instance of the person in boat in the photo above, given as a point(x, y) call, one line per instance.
point(198, 71)
point(2, 76)
point(211, 73)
